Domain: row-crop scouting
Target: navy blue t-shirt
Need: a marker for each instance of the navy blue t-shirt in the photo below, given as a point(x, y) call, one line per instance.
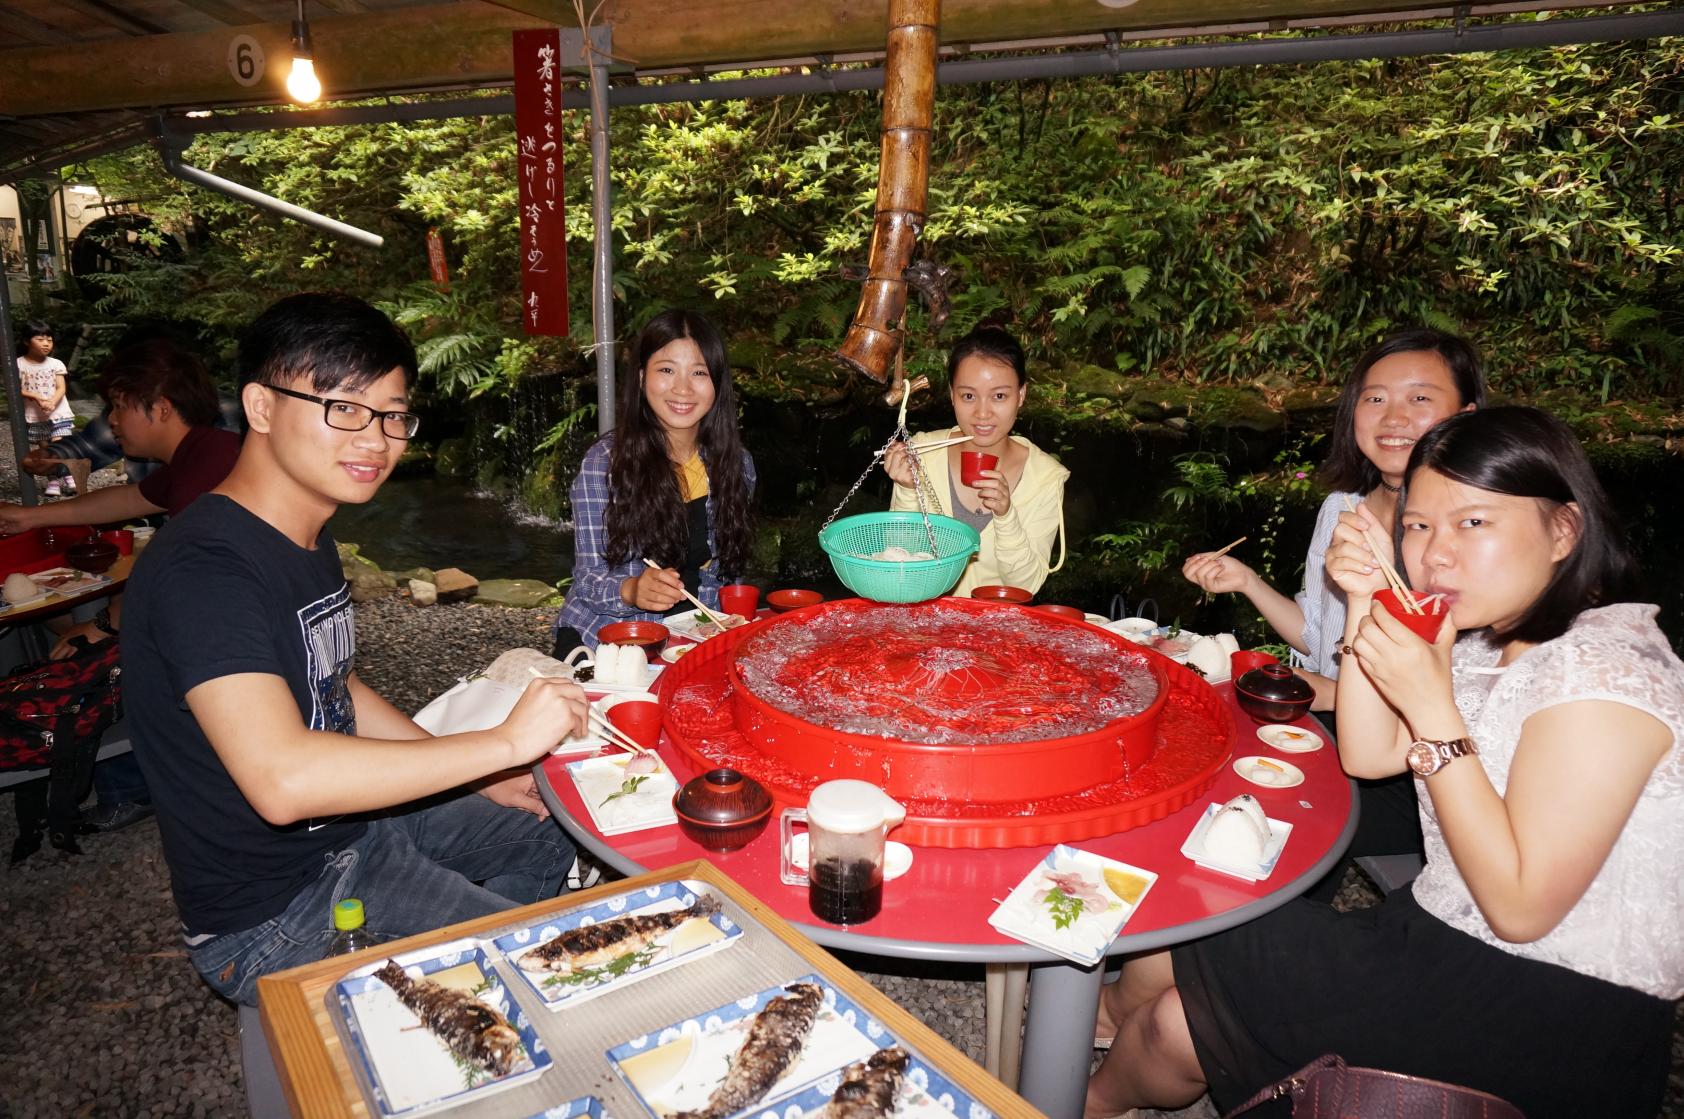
point(220, 592)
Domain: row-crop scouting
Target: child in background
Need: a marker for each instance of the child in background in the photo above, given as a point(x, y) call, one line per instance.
point(42, 378)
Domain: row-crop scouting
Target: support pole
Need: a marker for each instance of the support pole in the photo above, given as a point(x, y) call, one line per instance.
point(14, 391)
point(190, 174)
point(602, 218)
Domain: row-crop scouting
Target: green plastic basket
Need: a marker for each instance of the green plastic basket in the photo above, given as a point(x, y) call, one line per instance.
point(848, 540)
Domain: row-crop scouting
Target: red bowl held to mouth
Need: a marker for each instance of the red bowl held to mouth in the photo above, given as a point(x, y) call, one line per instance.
point(996, 593)
point(1424, 625)
point(793, 599)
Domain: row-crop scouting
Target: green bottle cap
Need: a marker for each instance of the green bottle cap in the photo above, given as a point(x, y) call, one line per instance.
point(348, 914)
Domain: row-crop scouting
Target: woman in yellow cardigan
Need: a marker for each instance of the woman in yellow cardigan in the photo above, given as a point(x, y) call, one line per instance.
point(1018, 507)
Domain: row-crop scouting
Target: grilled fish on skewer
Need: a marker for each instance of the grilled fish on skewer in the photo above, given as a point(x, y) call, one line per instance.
point(869, 1087)
point(590, 945)
point(472, 1030)
point(774, 1043)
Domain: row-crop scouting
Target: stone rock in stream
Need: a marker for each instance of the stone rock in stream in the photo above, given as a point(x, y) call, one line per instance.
point(454, 584)
point(423, 593)
point(524, 593)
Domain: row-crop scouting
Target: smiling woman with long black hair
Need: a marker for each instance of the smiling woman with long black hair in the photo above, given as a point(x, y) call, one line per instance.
point(672, 483)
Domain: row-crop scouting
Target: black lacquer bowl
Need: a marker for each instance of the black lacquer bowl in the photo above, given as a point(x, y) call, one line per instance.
point(1272, 693)
point(722, 809)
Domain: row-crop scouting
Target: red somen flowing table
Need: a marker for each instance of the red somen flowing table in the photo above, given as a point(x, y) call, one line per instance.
point(939, 910)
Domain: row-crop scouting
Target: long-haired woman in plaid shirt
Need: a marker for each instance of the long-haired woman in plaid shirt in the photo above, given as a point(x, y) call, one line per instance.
point(672, 482)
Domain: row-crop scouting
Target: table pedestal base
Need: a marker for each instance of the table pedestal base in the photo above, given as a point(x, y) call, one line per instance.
point(1058, 1037)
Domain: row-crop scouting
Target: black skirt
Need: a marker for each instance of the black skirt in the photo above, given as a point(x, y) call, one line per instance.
point(1395, 988)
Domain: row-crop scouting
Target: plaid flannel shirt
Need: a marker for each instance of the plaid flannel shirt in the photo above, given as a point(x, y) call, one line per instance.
point(594, 600)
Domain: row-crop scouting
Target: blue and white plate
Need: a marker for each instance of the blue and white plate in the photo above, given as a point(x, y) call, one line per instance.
point(405, 1068)
point(924, 1094)
point(1087, 930)
point(690, 941)
point(585, 1107)
point(677, 1067)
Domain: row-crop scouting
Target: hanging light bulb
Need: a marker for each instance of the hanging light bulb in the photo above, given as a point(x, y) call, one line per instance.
point(302, 84)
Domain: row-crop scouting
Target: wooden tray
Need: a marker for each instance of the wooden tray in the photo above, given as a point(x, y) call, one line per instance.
point(318, 1081)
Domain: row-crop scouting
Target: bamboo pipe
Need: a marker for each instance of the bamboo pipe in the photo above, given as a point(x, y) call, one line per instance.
point(903, 176)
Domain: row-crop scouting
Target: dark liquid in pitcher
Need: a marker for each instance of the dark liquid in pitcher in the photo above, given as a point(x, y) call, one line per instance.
point(846, 893)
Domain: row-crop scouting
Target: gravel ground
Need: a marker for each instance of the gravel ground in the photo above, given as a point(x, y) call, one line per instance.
point(104, 1015)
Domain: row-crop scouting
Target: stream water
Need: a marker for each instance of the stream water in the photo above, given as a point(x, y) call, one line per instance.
point(443, 522)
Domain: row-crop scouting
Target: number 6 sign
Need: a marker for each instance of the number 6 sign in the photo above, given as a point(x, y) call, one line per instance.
point(245, 59)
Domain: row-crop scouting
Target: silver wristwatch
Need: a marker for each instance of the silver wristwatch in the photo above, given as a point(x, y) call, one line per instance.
point(1426, 757)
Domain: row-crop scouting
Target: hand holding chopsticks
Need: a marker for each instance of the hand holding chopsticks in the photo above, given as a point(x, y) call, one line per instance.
point(712, 615)
point(599, 722)
point(1393, 580)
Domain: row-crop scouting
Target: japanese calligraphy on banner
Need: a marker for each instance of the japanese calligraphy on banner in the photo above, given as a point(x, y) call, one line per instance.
point(436, 262)
point(543, 242)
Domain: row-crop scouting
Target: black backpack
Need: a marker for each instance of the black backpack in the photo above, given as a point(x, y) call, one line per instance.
point(54, 714)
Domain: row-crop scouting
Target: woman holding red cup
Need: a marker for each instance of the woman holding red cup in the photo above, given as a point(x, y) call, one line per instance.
point(1000, 484)
point(1537, 957)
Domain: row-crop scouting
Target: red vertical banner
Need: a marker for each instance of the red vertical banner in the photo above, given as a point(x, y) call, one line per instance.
point(543, 240)
point(436, 262)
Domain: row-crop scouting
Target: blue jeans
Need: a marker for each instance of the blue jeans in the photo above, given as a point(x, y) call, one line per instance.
point(413, 872)
point(119, 780)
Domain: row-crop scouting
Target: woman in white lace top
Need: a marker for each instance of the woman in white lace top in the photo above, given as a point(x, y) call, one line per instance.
point(1538, 955)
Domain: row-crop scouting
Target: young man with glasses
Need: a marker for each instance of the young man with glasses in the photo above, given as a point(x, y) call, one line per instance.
point(283, 783)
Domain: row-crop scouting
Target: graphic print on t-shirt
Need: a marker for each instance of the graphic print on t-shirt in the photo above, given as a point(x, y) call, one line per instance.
point(330, 644)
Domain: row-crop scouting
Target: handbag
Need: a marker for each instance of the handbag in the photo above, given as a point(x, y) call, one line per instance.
point(1328, 1088)
point(53, 715)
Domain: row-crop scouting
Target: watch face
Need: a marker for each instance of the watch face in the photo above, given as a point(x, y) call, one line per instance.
point(1423, 759)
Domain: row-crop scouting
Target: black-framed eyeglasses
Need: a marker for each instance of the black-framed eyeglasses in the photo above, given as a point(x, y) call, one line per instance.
point(348, 415)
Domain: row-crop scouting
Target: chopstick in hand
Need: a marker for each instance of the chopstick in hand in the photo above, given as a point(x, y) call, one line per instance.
point(599, 721)
point(1393, 580)
point(1225, 550)
point(694, 601)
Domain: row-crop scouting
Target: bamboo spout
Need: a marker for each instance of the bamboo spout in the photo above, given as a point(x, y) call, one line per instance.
point(877, 333)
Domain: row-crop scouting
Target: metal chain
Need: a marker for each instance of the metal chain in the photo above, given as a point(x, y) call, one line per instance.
point(922, 485)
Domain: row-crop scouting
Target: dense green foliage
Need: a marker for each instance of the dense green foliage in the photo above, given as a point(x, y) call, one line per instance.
point(1210, 225)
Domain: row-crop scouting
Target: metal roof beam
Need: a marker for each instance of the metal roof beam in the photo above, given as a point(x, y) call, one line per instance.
point(467, 44)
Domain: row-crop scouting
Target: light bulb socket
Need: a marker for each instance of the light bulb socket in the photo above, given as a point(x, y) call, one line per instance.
point(300, 39)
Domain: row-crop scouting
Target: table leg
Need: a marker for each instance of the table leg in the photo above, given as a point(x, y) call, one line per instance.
point(994, 990)
point(1058, 1038)
point(1011, 1024)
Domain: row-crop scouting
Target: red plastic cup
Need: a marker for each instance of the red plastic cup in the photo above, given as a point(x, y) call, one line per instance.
point(739, 598)
point(639, 720)
point(1425, 626)
point(1245, 660)
point(973, 463)
point(120, 538)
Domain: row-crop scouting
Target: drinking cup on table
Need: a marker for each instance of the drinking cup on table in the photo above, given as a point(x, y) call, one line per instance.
point(973, 463)
point(639, 720)
point(1424, 625)
point(142, 537)
point(120, 538)
point(1245, 660)
point(740, 598)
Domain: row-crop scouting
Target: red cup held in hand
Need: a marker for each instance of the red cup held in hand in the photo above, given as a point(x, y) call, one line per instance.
point(639, 720)
point(973, 463)
point(1424, 625)
point(739, 598)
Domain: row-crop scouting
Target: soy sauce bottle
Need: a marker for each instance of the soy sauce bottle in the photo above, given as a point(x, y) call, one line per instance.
point(350, 936)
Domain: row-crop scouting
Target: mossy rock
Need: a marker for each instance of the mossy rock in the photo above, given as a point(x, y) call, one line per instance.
point(519, 593)
point(454, 457)
point(425, 574)
point(541, 490)
point(1091, 380)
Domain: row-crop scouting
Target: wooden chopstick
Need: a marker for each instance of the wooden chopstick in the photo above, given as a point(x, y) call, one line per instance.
point(1229, 548)
point(1404, 595)
point(596, 718)
point(694, 601)
point(921, 448)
